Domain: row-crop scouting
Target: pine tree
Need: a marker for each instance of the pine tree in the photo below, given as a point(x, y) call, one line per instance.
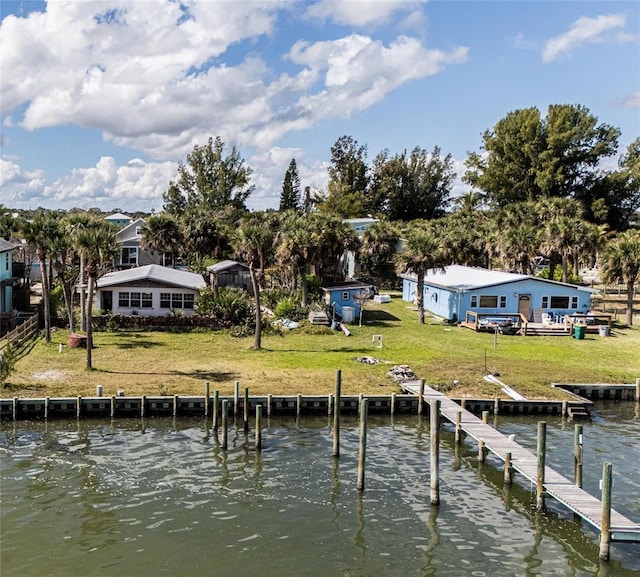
point(290, 196)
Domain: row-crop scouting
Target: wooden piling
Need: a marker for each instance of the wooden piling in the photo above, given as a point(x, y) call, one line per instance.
point(577, 455)
point(298, 405)
point(14, 408)
point(245, 406)
point(78, 406)
point(508, 471)
point(605, 528)
point(113, 407)
point(421, 396)
point(336, 415)
point(482, 451)
point(216, 400)
point(496, 406)
point(258, 427)
point(565, 408)
point(225, 410)
point(329, 404)
point(206, 399)
point(638, 391)
point(143, 402)
point(269, 404)
point(541, 453)
point(393, 403)
point(98, 390)
point(485, 417)
point(434, 424)
point(46, 408)
point(458, 434)
point(175, 405)
point(364, 414)
point(463, 404)
point(236, 398)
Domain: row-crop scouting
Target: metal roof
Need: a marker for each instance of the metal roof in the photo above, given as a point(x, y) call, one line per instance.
point(6, 246)
point(225, 265)
point(155, 273)
point(465, 278)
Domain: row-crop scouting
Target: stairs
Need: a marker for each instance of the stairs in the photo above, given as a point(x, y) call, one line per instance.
point(319, 318)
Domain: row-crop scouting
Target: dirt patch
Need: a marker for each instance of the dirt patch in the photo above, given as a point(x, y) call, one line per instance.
point(50, 376)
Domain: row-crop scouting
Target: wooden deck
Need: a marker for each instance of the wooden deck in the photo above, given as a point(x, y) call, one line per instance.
point(524, 461)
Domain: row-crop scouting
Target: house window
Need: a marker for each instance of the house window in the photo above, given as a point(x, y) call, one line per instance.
point(135, 300)
point(559, 302)
point(474, 301)
point(165, 300)
point(189, 301)
point(574, 302)
point(345, 296)
point(6, 261)
point(503, 301)
point(129, 255)
point(488, 301)
point(545, 302)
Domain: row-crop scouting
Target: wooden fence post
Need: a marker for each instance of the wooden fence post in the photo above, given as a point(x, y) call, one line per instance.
point(336, 415)
point(434, 424)
point(541, 450)
point(364, 414)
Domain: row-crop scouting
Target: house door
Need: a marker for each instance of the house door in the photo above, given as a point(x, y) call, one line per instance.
point(524, 305)
point(107, 300)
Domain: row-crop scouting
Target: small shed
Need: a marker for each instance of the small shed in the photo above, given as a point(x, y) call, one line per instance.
point(451, 292)
point(229, 273)
point(150, 290)
point(345, 298)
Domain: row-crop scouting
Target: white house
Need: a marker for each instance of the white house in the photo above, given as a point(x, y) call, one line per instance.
point(150, 290)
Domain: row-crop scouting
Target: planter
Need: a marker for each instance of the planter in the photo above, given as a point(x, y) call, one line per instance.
point(77, 341)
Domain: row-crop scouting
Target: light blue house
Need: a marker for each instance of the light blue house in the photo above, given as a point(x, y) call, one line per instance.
point(6, 276)
point(451, 292)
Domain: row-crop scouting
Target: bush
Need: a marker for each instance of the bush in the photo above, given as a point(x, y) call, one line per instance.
point(290, 308)
point(7, 363)
point(231, 307)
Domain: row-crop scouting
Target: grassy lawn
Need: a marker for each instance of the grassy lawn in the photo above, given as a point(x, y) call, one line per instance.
point(163, 363)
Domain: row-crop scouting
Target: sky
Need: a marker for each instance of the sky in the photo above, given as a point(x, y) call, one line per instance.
point(101, 100)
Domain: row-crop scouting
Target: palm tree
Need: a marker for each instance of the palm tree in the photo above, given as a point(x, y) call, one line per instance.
point(518, 247)
point(421, 252)
point(39, 233)
point(161, 233)
point(621, 264)
point(97, 244)
point(248, 243)
point(378, 246)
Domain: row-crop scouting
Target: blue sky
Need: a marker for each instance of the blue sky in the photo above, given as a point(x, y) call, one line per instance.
point(100, 100)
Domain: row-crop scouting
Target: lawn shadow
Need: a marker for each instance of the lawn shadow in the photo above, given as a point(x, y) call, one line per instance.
point(378, 316)
point(139, 344)
point(196, 374)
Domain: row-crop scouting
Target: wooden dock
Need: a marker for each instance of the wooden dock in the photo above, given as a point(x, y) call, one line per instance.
point(524, 461)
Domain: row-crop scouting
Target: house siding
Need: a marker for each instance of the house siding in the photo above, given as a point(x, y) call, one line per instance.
point(155, 291)
point(6, 281)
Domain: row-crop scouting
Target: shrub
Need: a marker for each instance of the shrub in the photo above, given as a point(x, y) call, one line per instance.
point(7, 363)
point(290, 308)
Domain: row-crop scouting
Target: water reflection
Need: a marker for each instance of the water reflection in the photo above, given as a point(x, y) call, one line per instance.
point(151, 497)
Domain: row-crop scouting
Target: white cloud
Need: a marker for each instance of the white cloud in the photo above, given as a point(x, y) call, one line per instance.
point(585, 30)
point(631, 101)
point(18, 185)
point(361, 13)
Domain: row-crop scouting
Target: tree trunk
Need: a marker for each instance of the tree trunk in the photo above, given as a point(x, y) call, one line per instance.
point(67, 291)
point(565, 266)
point(629, 304)
point(305, 288)
point(257, 343)
point(83, 311)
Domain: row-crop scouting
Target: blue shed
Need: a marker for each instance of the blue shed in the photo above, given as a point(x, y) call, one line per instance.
point(451, 292)
point(341, 295)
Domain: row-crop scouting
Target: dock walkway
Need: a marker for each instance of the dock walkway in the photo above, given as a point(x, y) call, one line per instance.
point(524, 461)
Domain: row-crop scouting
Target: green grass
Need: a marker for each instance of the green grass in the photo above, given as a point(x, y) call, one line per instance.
point(299, 362)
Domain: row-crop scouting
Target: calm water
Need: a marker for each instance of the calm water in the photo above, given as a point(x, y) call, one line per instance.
point(160, 498)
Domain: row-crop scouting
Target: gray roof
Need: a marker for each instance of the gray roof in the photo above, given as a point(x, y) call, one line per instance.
point(117, 216)
point(465, 278)
point(225, 265)
point(153, 273)
point(6, 246)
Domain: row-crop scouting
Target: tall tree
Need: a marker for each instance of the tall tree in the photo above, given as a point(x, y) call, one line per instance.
point(348, 179)
point(290, 195)
point(420, 253)
point(526, 157)
point(621, 264)
point(97, 244)
point(38, 234)
point(379, 243)
point(249, 242)
point(210, 182)
point(414, 186)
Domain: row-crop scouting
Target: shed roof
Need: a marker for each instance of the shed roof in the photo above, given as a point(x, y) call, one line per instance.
point(154, 273)
point(6, 246)
point(461, 278)
point(348, 284)
point(225, 265)
point(117, 216)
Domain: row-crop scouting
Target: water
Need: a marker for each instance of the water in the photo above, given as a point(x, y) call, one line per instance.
point(159, 498)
